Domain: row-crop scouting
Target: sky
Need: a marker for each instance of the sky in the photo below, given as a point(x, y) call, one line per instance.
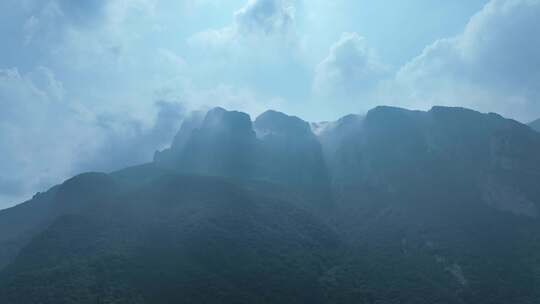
point(97, 85)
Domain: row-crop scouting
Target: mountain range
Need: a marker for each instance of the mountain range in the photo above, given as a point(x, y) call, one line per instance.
point(395, 206)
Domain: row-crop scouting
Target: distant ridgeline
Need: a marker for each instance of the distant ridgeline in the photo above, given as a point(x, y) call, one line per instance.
point(396, 206)
point(535, 125)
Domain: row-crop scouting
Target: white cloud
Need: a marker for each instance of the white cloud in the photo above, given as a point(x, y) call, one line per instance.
point(351, 72)
point(259, 54)
point(94, 107)
point(259, 21)
point(34, 128)
point(45, 138)
point(266, 17)
point(350, 66)
point(494, 65)
point(126, 54)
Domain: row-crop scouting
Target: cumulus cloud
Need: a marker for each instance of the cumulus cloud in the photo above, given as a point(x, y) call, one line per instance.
point(266, 16)
point(257, 21)
point(494, 65)
point(92, 107)
point(259, 52)
point(109, 61)
point(350, 72)
point(350, 66)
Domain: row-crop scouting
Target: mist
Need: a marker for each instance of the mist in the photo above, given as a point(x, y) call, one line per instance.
point(269, 151)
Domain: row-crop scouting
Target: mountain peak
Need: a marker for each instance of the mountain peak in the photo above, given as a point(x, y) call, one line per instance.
point(280, 123)
point(220, 119)
point(223, 215)
point(384, 113)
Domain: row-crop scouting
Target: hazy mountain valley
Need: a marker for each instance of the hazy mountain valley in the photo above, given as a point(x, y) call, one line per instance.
point(396, 206)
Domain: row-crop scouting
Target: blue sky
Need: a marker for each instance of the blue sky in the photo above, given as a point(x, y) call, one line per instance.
point(101, 84)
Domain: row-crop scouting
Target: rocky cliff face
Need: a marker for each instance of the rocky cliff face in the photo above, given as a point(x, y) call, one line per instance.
point(397, 150)
point(436, 206)
point(290, 153)
point(223, 145)
point(276, 148)
point(389, 150)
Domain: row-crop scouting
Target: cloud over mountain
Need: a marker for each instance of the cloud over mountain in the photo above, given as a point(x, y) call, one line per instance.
point(351, 69)
point(315, 59)
point(45, 138)
point(492, 65)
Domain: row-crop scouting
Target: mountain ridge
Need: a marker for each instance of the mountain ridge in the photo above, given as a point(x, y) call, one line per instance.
point(395, 206)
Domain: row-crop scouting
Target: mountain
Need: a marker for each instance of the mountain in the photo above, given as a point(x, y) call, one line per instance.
point(395, 206)
point(535, 125)
point(276, 148)
point(290, 154)
point(398, 150)
point(176, 238)
point(223, 145)
point(449, 196)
